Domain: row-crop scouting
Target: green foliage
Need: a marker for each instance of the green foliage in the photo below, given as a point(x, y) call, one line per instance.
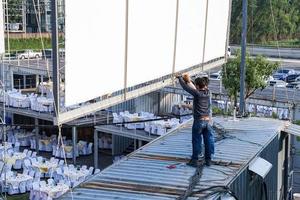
point(274, 115)
point(30, 43)
point(15, 11)
point(261, 27)
point(217, 111)
point(297, 122)
point(258, 70)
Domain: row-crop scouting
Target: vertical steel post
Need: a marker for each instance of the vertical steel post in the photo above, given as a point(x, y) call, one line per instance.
point(74, 139)
point(204, 40)
point(95, 148)
point(55, 55)
point(175, 41)
point(37, 130)
point(243, 59)
point(126, 48)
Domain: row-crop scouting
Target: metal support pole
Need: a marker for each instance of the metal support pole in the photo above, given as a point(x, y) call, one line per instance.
point(113, 143)
point(204, 40)
point(134, 144)
point(74, 139)
point(37, 130)
point(95, 148)
point(243, 59)
point(37, 81)
point(55, 55)
point(126, 49)
point(140, 143)
point(175, 41)
point(24, 82)
point(228, 30)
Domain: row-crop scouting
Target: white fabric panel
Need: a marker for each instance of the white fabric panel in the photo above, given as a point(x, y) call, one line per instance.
point(151, 39)
point(2, 44)
point(95, 43)
point(216, 29)
point(190, 36)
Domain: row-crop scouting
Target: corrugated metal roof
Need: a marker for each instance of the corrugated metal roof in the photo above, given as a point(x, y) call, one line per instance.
point(145, 174)
point(293, 129)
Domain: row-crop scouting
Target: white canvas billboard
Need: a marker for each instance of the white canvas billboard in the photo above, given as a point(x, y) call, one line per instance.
point(151, 39)
point(217, 23)
point(2, 43)
point(95, 44)
point(191, 23)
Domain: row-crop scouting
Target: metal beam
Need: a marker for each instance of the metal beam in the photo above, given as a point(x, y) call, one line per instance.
point(91, 108)
point(37, 130)
point(228, 30)
point(243, 59)
point(74, 139)
point(55, 55)
point(96, 148)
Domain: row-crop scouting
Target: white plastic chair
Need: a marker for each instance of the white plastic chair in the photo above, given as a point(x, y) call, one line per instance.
point(97, 171)
point(37, 176)
point(22, 187)
point(28, 185)
point(29, 153)
point(25, 171)
point(12, 189)
point(25, 151)
point(40, 159)
point(18, 164)
point(54, 147)
point(34, 154)
point(84, 167)
point(31, 173)
point(89, 149)
point(35, 192)
point(61, 162)
point(51, 182)
point(17, 147)
point(91, 170)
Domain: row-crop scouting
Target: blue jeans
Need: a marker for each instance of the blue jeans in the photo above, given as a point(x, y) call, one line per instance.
point(201, 127)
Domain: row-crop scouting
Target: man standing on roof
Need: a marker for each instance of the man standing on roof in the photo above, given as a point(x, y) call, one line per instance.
point(201, 113)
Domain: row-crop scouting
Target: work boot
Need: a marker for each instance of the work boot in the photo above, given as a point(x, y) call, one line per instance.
point(193, 163)
point(208, 162)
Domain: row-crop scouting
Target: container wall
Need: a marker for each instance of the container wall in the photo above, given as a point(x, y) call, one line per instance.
point(168, 100)
point(120, 144)
point(248, 186)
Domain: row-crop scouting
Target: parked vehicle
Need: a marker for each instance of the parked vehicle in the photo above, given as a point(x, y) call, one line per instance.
point(281, 74)
point(29, 54)
point(228, 51)
point(215, 76)
point(291, 78)
point(294, 85)
point(277, 83)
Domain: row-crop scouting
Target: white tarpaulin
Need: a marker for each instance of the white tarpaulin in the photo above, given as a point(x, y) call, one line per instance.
point(95, 42)
point(2, 43)
point(95, 46)
point(217, 21)
point(191, 23)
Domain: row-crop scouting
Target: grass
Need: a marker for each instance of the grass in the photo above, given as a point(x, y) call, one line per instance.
point(30, 43)
point(18, 197)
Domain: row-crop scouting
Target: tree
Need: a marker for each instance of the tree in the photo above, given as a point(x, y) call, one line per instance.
point(258, 70)
point(261, 27)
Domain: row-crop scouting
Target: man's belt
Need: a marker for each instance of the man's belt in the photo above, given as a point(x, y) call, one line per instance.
point(204, 118)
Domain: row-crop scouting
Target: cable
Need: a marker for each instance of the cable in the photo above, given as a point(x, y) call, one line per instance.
point(220, 188)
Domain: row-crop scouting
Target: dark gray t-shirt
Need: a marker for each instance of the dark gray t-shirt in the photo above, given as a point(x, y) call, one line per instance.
point(201, 102)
